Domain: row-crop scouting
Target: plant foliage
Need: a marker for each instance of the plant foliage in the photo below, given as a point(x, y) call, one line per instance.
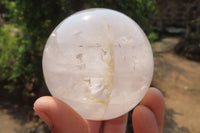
point(29, 24)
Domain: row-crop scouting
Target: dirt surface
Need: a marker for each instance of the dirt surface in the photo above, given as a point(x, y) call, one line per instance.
point(15, 118)
point(178, 78)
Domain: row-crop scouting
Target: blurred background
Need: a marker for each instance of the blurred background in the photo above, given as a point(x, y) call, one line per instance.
point(172, 26)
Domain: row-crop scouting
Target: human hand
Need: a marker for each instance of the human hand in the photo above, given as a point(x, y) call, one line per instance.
point(147, 117)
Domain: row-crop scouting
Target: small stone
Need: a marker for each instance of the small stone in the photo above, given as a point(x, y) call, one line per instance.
point(98, 61)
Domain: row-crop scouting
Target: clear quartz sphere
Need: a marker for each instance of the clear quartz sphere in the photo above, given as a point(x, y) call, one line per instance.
point(98, 61)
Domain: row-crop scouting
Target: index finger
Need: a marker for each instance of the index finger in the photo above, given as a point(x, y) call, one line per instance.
point(150, 113)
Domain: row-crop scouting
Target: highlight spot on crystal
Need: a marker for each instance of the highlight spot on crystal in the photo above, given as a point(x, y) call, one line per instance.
point(98, 61)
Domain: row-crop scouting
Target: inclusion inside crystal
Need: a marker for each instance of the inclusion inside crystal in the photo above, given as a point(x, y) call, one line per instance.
point(99, 62)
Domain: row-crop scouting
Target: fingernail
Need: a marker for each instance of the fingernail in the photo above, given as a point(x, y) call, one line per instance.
point(44, 116)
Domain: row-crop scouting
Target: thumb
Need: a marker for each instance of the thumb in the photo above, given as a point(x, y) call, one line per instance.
point(59, 116)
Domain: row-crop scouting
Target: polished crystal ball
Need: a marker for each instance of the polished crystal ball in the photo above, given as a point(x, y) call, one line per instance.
point(99, 62)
